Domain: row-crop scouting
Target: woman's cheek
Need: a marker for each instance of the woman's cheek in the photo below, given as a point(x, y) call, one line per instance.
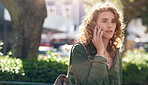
point(102, 28)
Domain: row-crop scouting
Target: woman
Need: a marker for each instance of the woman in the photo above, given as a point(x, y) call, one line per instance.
point(101, 34)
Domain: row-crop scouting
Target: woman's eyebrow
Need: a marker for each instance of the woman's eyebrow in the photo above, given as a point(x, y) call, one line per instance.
point(104, 19)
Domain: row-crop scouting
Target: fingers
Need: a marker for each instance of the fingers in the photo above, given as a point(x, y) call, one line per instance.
point(98, 33)
point(101, 34)
point(95, 33)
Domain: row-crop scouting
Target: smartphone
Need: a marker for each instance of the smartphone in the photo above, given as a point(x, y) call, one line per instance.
point(97, 26)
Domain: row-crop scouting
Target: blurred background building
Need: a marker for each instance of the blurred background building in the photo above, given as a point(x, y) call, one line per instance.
point(64, 18)
point(137, 35)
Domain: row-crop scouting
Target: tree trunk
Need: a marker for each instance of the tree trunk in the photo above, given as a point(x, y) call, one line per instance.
point(27, 18)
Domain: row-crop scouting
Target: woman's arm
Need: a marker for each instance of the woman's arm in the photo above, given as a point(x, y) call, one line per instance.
point(86, 73)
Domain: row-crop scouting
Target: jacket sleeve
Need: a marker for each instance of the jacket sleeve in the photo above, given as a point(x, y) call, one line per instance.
point(86, 73)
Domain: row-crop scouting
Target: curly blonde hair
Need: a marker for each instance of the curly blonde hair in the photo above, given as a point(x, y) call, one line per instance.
point(87, 27)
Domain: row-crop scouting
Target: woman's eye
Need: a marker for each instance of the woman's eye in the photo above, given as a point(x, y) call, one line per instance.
point(104, 21)
point(113, 21)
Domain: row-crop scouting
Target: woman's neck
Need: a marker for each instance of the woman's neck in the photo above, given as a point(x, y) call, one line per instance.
point(105, 41)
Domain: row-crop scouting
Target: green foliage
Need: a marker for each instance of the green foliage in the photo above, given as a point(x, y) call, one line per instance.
point(53, 56)
point(46, 68)
point(13, 69)
point(10, 64)
point(135, 67)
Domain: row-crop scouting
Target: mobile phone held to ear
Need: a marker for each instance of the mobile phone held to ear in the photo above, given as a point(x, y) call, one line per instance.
point(97, 26)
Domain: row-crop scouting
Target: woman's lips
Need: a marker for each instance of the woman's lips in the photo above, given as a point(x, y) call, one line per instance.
point(109, 31)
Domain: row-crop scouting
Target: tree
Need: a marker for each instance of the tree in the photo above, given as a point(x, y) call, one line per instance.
point(133, 8)
point(27, 17)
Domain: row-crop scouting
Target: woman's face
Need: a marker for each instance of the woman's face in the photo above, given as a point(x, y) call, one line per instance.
point(106, 21)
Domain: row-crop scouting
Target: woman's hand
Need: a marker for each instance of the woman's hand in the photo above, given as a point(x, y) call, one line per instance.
point(97, 41)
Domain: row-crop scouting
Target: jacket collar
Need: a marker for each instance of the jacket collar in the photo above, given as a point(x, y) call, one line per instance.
point(92, 49)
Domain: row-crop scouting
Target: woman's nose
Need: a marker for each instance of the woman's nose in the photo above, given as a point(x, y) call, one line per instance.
point(109, 25)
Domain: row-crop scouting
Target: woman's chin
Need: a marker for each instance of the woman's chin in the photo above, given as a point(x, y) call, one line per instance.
point(107, 37)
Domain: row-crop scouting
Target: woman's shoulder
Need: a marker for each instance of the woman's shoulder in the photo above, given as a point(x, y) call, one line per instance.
point(77, 46)
point(78, 49)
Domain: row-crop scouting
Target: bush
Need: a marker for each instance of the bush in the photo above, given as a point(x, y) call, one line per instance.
point(135, 67)
point(13, 69)
point(47, 68)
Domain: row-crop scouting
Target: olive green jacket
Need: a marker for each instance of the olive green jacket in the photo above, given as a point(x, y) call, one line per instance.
point(96, 73)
